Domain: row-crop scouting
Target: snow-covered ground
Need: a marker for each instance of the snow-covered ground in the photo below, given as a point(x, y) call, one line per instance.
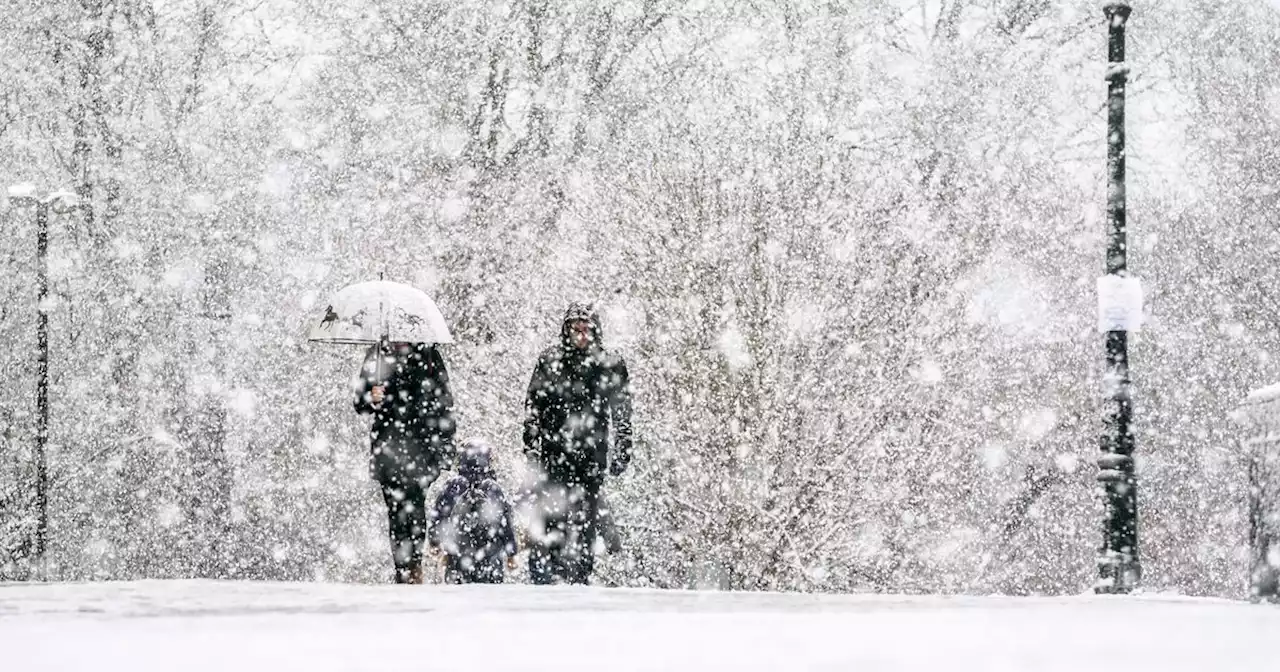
point(196, 626)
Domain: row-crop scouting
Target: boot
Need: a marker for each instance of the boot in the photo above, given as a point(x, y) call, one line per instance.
point(415, 574)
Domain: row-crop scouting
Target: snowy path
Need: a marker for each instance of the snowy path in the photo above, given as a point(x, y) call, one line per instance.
point(198, 626)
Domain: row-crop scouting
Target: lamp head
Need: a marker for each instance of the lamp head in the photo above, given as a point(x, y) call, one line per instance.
point(23, 194)
point(63, 201)
point(1117, 8)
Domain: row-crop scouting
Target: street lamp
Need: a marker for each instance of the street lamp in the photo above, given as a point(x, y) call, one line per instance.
point(60, 202)
point(1119, 566)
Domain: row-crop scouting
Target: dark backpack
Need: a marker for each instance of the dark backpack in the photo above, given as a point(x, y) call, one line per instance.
point(477, 519)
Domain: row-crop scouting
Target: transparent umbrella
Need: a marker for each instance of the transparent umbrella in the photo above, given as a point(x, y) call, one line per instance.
point(380, 311)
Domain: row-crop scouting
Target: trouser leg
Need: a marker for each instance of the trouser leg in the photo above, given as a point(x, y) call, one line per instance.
point(545, 567)
point(546, 548)
point(581, 535)
point(407, 527)
point(607, 526)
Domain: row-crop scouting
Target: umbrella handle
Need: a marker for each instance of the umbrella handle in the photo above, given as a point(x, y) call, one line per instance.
point(381, 371)
point(382, 321)
point(382, 312)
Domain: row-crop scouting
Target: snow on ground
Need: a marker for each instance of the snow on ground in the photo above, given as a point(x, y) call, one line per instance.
point(195, 626)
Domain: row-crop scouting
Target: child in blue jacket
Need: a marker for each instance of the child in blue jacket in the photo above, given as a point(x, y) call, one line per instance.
point(472, 524)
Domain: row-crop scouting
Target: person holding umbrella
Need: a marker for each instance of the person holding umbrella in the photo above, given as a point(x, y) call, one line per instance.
point(404, 386)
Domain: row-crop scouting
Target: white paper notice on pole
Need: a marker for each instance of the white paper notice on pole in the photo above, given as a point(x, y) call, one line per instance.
point(1119, 303)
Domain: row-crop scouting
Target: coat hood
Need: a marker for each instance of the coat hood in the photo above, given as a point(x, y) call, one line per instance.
point(578, 310)
point(475, 461)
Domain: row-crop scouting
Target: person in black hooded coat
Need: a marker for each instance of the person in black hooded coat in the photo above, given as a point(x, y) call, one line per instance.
point(579, 397)
point(405, 387)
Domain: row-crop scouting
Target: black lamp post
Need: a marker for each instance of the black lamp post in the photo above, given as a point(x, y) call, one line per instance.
point(1119, 570)
point(59, 202)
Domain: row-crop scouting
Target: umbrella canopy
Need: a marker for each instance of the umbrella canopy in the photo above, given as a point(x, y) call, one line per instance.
point(369, 312)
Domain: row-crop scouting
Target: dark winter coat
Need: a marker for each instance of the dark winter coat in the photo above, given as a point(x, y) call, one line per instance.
point(576, 399)
point(475, 539)
point(413, 427)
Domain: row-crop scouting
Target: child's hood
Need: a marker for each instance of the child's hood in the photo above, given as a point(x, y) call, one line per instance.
point(475, 461)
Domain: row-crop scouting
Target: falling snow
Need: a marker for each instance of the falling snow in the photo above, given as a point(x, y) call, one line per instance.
point(850, 252)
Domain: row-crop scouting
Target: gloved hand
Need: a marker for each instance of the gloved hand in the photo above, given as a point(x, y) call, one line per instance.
point(511, 563)
point(532, 439)
point(620, 462)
